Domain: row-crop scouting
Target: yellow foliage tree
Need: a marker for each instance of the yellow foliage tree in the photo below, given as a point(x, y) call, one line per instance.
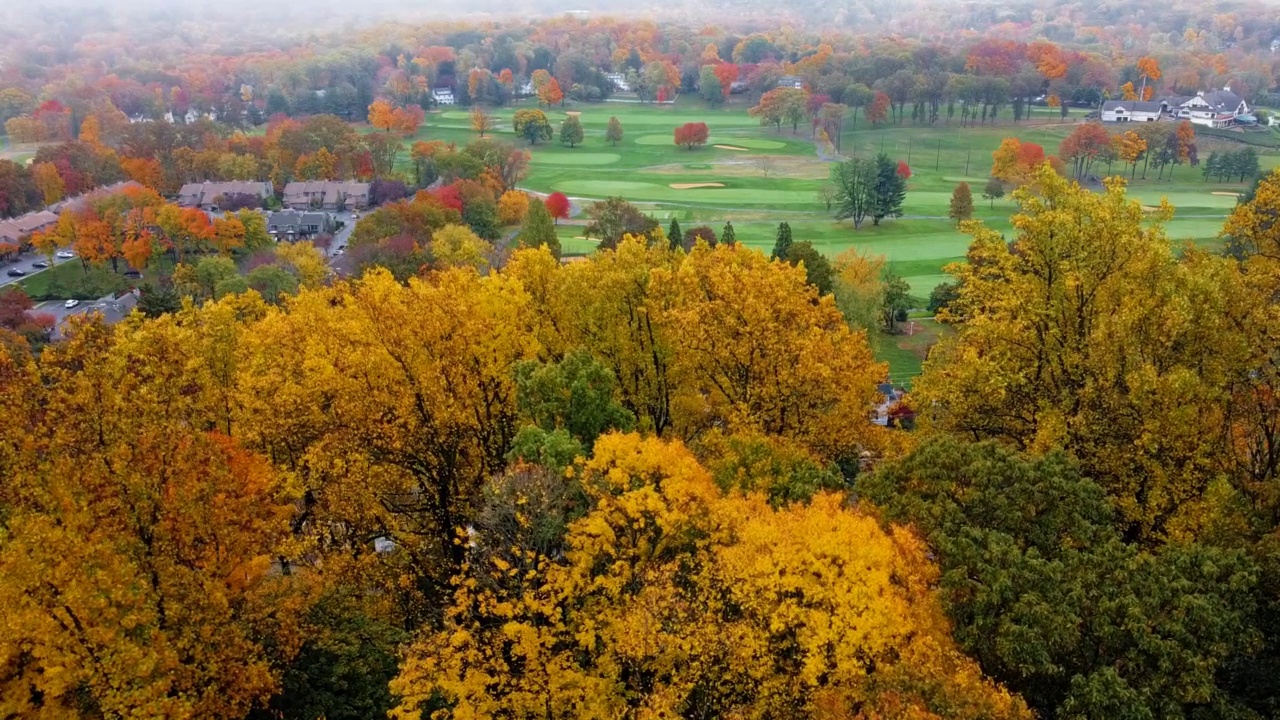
point(136, 560)
point(1056, 349)
point(52, 188)
point(670, 596)
point(512, 207)
point(458, 246)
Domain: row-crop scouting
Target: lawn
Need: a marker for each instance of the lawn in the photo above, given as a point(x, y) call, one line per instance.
point(766, 176)
point(69, 280)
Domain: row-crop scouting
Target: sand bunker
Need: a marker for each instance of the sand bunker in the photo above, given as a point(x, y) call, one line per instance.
point(731, 147)
point(1150, 208)
point(1226, 194)
point(692, 186)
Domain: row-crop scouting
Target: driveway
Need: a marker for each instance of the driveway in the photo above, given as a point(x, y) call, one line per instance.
point(113, 310)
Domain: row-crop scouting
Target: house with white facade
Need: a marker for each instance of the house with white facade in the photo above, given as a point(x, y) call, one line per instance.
point(619, 82)
point(443, 96)
point(1219, 108)
point(1131, 111)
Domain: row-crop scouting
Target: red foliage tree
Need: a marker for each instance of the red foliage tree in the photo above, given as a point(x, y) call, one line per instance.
point(449, 197)
point(1030, 155)
point(727, 74)
point(904, 170)
point(558, 205)
point(879, 110)
point(690, 135)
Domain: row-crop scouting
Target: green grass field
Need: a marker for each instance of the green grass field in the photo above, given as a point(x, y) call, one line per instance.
point(765, 176)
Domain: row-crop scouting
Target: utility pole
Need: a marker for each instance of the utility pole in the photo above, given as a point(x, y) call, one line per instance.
point(908, 152)
point(967, 151)
point(937, 162)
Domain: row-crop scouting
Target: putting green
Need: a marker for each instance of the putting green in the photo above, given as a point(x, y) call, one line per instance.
point(572, 158)
point(745, 142)
point(456, 115)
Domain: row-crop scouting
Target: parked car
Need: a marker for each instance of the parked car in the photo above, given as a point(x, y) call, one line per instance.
point(66, 254)
point(40, 264)
point(16, 272)
point(70, 303)
point(132, 274)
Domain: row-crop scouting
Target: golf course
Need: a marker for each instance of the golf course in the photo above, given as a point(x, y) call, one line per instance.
point(758, 176)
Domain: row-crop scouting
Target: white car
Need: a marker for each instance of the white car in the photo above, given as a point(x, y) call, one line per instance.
point(70, 303)
point(66, 254)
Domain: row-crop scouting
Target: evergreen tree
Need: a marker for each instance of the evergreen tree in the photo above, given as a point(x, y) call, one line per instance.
point(961, 203)
point(538, 228)
point(889, 190)
point(727, 235)
point(571, 131)
point(783, 244)
point(674, 234)
point(1212, 166)
point(613, 133)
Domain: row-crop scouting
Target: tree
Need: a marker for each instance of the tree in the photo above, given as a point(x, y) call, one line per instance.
point(558, 205)
point(571, 131)
point(961, 203)
point(576, 394)
point(855, 181)
point(512, 207)
point(482, 121)
point(613, 133)
point(532, 125)
point(1107, 365)
point(904, 170)
point(782, 243)
point(1028, 549)
point(888, 191)
point(781, 105)
point(858, 288)
point(1131, 148)
point(539, 228)
point(691, 135)
point(674, 234)
point(459, 246)
point(734, 631)
point(1149, 69)
point(136, 557)
point(897, 301)
point(727, 235)
point(702, 233)
point(49, 181)
point(550, 93)
point(817, 270)
point(878, 111)
point(993, 191)
point(1084, 146)
point(614, 218)
point(709, 85)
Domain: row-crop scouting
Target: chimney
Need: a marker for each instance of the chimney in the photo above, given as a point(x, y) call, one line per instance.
point(1200, 93)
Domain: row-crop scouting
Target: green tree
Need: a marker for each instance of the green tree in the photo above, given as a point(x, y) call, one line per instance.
point(154, 302)
point(889, 191)
point(1045, 594)
point(897, 301)
point(272, 282)
point(993, 191)
point(577, 394)
point(961, 203)
point(210, 272)
point(782, 243)
point(709, 85)
point(613, 133)
point(539, 228)
point(855, 181)
point(674, 234)
point(482, 217)
point(942, 296)
point(727, 235)
point(817, 270)
point(571, 131)
point(342, 670)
